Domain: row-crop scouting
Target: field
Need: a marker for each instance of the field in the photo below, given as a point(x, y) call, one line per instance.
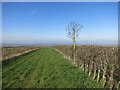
point(10, 52)
point(44, 68)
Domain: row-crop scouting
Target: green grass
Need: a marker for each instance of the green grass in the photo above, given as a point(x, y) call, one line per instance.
point(44, 68)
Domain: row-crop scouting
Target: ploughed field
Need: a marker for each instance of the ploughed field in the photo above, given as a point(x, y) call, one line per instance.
point(44, 68)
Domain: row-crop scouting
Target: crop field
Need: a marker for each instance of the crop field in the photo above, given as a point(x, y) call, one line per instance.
point(44, 68)
point(10, 52)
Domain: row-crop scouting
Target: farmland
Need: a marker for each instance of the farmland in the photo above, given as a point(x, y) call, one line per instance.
point(10, 52)
point(70, 44)
point(101, 61)
point(44, 68)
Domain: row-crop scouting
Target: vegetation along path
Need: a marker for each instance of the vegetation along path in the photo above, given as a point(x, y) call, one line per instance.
point(44, 68)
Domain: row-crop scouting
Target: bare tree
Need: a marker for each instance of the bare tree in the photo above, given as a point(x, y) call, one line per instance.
point(73, 31)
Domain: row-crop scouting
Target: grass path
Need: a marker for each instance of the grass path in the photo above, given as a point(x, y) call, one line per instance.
point(44, 68)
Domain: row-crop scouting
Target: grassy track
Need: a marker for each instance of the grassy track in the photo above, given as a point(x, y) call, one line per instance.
point(44, 68)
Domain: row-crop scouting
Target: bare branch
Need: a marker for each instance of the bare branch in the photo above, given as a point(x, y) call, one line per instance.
point(73, 31)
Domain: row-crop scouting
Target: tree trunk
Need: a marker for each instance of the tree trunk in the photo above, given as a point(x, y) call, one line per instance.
point(90, 68)
point(86, 66)
point(104, 77)
point(74, 39)
point(111, 79)
point(74, 58)
point(89, 73)
point(118, 85)
point(82, 66)
point(74, 45)
point(64, 55)
point(98, 75)
point(94, 72)
point(69, 57)
point(74, 49)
